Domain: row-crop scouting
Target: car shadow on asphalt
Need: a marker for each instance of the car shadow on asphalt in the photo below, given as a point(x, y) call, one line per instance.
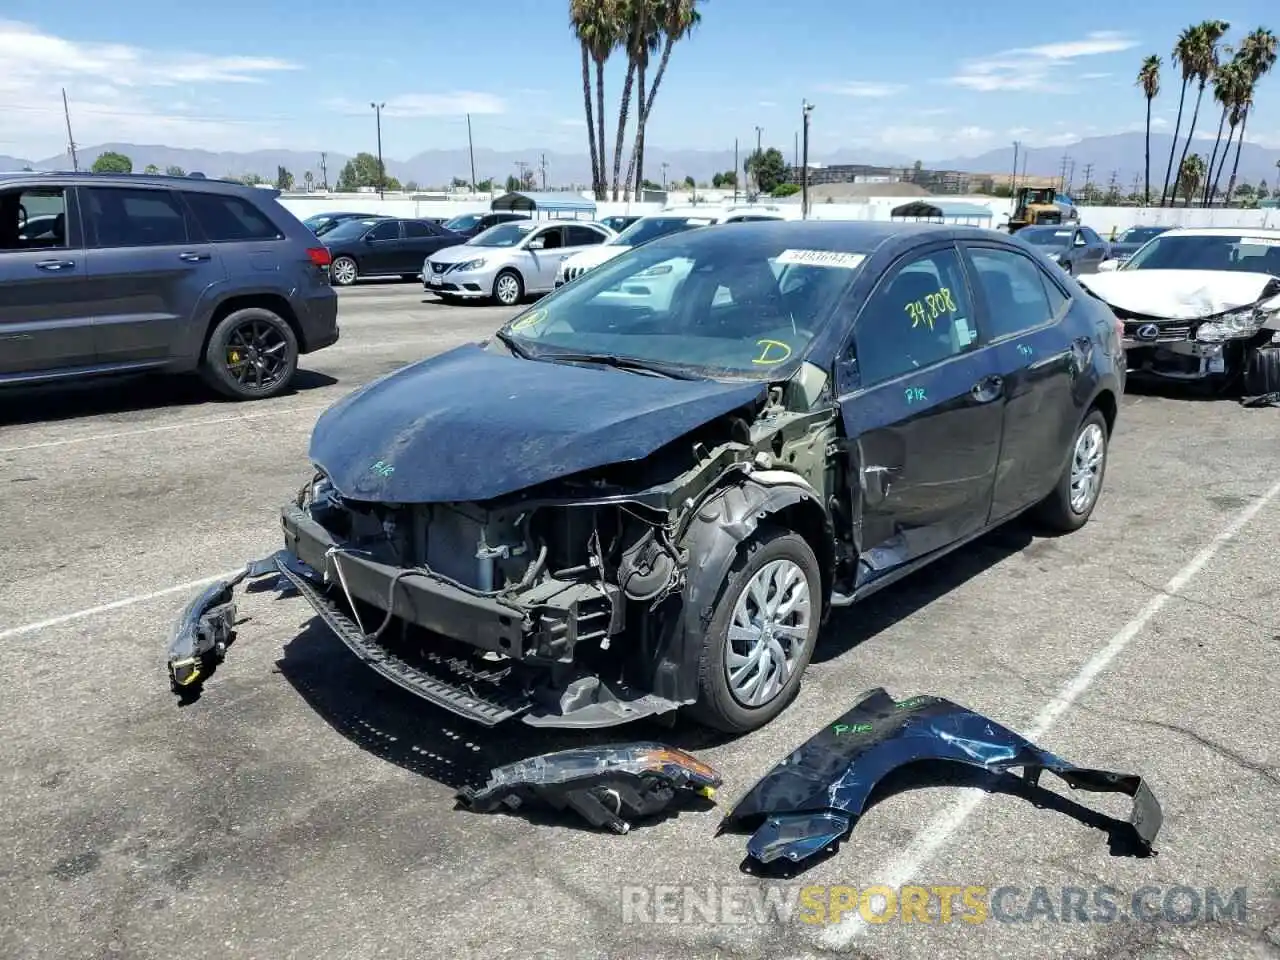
point(849, 627)
point(54, 402)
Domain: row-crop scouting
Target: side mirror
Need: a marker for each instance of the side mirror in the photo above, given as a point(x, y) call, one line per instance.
point(1108, 266)
point(536, 244)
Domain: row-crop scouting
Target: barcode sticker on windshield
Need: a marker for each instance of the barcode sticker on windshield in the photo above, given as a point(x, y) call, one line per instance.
point(822, 258)
point(1261, 241)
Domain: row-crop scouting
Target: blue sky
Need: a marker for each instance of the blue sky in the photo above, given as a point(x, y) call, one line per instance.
point(240, 75)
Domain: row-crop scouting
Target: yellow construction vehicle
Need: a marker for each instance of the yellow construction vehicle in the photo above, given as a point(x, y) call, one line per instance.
point(1034, 206)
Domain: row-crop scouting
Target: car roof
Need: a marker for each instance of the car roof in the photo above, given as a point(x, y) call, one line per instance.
point(88, 179)
point(866, 235)
point(1269, 232)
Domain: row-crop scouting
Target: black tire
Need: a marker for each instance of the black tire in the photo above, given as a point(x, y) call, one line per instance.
point(717, 706)
point(1262, 371)
point(340, 276)
point(1056, 510)
point(234, 376)
point(503, 291)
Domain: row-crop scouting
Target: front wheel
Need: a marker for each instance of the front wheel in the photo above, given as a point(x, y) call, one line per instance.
point(252, 355)
point(1262, 371)
point(761, 634)
point(1070, 505)
point(507, 288)
point(344, 271)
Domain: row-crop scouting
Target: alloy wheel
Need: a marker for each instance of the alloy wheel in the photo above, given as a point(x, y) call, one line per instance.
point(344, 271)
point(508, 290)
point(257, 355)
point(1086, 467)
point(768, 632)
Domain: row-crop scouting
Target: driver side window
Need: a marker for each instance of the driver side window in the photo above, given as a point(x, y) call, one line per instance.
point(918, 316)
point(33, 219)
point(388, 230)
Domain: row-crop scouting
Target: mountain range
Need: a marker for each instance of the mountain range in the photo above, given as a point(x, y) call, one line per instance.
point(1119, 153)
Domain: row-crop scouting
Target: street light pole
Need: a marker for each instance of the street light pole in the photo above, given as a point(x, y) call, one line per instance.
point(382, 173)
point(806, 108)
point(755, 174)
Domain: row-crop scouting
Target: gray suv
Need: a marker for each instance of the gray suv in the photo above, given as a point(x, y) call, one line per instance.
point(125, 273)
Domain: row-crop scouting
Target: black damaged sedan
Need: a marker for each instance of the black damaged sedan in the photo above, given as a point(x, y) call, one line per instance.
point(647, 491)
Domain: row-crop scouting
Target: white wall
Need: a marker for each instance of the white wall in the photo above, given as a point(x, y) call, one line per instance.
point(1102, 219)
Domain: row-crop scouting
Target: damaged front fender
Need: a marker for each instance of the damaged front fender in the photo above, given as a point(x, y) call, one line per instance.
point(811, 799)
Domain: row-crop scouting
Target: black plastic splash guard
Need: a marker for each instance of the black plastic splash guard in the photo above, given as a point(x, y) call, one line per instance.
point(811, 799)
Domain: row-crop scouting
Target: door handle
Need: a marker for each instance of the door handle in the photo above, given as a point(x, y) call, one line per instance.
point(55, 264)
point(987, 389)
point(190, 257)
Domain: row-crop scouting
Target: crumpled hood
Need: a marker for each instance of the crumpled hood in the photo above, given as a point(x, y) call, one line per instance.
point(471, 425)
point(1177, 294)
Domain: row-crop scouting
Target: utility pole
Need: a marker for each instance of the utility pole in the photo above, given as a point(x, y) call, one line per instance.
point(1137, 182)
point(324, 171)
point(522, 166)
point(1013, 180)
point(471, 150)
point(1112, 189)
point(71, 141)
point(664, 174)
point(735, 169)
point(1088, 177)
point(806, 108)
point(1071, 177)
point(543, 165)
point(795, 163)
point(1062, 175)
point(755, 175)
point(382, 174)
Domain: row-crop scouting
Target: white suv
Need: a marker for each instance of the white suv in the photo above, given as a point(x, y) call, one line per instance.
point(657, 225)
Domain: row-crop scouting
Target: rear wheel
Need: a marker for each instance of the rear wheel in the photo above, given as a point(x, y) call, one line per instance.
point(1070, 505)
point(1262, 371)
point(344, 271)
point(252, 354)
point(761, 634)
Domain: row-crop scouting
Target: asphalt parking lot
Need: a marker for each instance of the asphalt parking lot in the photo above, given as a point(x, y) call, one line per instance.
point(303, 807)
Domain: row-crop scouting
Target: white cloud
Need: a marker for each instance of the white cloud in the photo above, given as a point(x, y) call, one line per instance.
point(766, 104)
point(572, 122)
point(121, 92)
point(862, 88)
point(1033, 68)
point(1094, 76)
point(453, 104)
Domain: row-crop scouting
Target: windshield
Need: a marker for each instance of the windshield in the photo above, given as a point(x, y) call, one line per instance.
point(1139, 234)
point(348, 229)
point(503, 235)
point(711, 302)
point(1047, 237)
point(1238, 253)
point(651, 228)
point(464, 222)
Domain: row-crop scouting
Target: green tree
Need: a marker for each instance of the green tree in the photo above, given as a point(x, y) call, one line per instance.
point(648, 184)
point(309, 181)
point(1202, 52)
point(513, 183)
point(112, 162)
point(485, 186)
point(689, 182)
point(1228, 87)
point(786, 190)
point(174, 171)
point(459, 184)
point(362, 171)
point(596, 25)
point(1149, 80)
point(151, 169)
point(251, 180)
point(284, 179)
point(1245, 190)
point(1263, 192)
point(1189, 177)
point(718, 180)
point(1258, 52)
point(768, 167)
point(729, 178)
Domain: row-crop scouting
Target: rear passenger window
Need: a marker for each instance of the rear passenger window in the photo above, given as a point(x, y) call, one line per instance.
point(416, 229)
point(387, 230)
point(918, 317)
point(584, 237)
point(1019, 296)
point(124, 217)
point(224, 218)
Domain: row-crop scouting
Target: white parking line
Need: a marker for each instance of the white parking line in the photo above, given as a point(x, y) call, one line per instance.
point(935, 835)
point(11, 632)
point(141, 431)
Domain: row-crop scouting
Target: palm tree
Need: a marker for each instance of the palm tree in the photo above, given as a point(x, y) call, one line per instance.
point(1184, 58)
point(642, 41)
point(1225, 84)
point(632, 18)
point(1259, 52)
point(1233, 80)
point(676, 20)
point(595, 24)
point(1149, 80)
point(1204, 62)
point(1189, 176)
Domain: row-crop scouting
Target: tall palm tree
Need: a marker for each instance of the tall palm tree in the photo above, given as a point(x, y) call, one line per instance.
point(1233, 79)
point(676, 19)
point(595, 22)
point(1204, 63)
point(1225, 82)
point(632, 16)
point(1259, 52)
point(1149, 80)
point(1183, 58)
point(1189, 176)
point(642, 42)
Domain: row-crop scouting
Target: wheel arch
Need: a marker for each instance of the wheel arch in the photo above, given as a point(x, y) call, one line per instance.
point(1105, 401)
point(275, 302)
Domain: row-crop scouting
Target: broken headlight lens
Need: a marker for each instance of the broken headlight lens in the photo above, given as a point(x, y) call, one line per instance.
point(1229, 326)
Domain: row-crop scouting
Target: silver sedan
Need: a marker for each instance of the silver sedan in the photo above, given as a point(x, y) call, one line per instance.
point(510, 260)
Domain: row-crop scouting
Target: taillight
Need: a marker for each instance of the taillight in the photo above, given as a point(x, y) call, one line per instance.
point(319, 256)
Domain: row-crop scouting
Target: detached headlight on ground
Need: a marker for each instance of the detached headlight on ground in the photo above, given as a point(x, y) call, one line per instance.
point(470, 265)
point(1233, 325)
